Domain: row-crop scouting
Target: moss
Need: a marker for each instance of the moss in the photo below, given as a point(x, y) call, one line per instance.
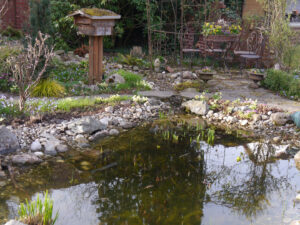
point(182, 86)
point(98, 12)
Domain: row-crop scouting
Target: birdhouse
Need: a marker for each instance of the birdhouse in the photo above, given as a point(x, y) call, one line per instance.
point(95, 23)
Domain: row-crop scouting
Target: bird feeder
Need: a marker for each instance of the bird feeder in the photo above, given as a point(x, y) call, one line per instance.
point(95, 23)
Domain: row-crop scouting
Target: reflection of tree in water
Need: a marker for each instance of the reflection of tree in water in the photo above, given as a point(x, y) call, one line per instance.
point(153, 185)
point(247, 193)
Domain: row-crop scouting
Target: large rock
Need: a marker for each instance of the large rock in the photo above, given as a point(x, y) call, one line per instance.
point(295, 222)
point(296, 118)
point(14, 222)
point(87, 125)
point(115, 79)
point(25, 159)
point(8, 141)
point(280, 119)
point(197, 107)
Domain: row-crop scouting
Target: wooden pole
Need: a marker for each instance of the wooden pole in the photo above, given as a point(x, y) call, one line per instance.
point(95, 59)
point(149, 34)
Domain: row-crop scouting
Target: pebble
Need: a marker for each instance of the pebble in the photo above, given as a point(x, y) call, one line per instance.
point(36, 146)
point(244, 122)
point(114, 132)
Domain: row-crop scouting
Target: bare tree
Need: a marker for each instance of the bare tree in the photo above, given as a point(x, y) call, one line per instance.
point(3, 7)
point(26, 67)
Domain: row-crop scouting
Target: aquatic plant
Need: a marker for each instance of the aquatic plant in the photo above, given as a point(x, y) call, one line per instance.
point(211, 136)
point(38, 212)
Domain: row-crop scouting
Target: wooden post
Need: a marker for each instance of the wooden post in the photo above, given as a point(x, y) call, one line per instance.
point(95, 59)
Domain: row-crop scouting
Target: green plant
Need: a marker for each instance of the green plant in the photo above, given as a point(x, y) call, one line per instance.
point(130, 60)
point(48, 88)
point(40, 18)
point(211, 136)
point(286, 84)
point(12, 33)
point(38, 212)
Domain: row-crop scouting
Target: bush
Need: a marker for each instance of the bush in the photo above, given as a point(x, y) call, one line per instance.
point(6, 78)
point(48, 88)
point(132, 81)
point(37, 212)
point(12, 33)
point(286, 84)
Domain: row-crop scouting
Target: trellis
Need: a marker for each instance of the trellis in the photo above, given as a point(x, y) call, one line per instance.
point(170, 38)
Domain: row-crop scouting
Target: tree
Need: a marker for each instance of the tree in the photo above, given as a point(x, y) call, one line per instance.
point(29, 66)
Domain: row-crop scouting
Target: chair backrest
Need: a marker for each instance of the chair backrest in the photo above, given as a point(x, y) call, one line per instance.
point(256, 42)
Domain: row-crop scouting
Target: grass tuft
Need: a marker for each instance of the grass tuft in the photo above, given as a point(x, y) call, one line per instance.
point(38, 212)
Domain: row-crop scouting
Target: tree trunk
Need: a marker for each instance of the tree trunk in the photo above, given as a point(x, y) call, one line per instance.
point(22, 101)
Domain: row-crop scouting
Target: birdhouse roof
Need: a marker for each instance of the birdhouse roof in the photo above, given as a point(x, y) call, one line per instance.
point(96, 13)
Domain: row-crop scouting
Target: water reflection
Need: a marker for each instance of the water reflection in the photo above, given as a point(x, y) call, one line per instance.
point(175, 180)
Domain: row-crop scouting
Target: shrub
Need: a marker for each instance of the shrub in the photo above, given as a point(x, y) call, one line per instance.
point(286, 84)
point(12, 33)
point(25, 68)
point(130, 60)
point(132, 81)
point(48, 88)
point(37, 212)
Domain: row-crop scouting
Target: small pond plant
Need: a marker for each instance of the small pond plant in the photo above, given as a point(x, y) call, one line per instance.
point(38, 212)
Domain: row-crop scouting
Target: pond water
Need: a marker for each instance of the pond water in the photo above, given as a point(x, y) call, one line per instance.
point(162, 173)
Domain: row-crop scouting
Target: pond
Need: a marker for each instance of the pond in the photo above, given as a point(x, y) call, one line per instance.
point(162, 173)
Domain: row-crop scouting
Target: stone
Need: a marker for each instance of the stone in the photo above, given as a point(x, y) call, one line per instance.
point(105, 121)
point(25, 159)
point(39, 154)
point(114, 132)
point(256, 117)
point(50, 148)
point(281, 151)
point(253, 86)
point(62, 148)
point(14, 222)
point(86, 125)
point(169, 69)
point(81, 139)
point(188, 75)
point(264, 117)
point(8, 141)
point(295, 222)
point(280, 119)
point(297, 158)
point(59, 52)
point(276, 139)
point(243, 122)
point(127, 125)
point(135, 68)
point(109, 109)
point(157, 64)
point(115, 79)
point(2, 174)
point(36, 146)
point(99, 135)
point(296, 118)
point(197, 107)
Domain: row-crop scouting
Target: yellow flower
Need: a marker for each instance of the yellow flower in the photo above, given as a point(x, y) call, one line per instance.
point(211, 26)
point(207, 24)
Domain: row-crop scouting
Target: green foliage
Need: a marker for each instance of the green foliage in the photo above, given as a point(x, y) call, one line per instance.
point(8, 108)
point(132, 81)
point(69, 104)
point(188, 84)
point(40, 17)
point(38, 212)
point(130, 60)
point(6, 78)
point(48, 88)
point(12, 33)
point(286, 84)
point(292, 58)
